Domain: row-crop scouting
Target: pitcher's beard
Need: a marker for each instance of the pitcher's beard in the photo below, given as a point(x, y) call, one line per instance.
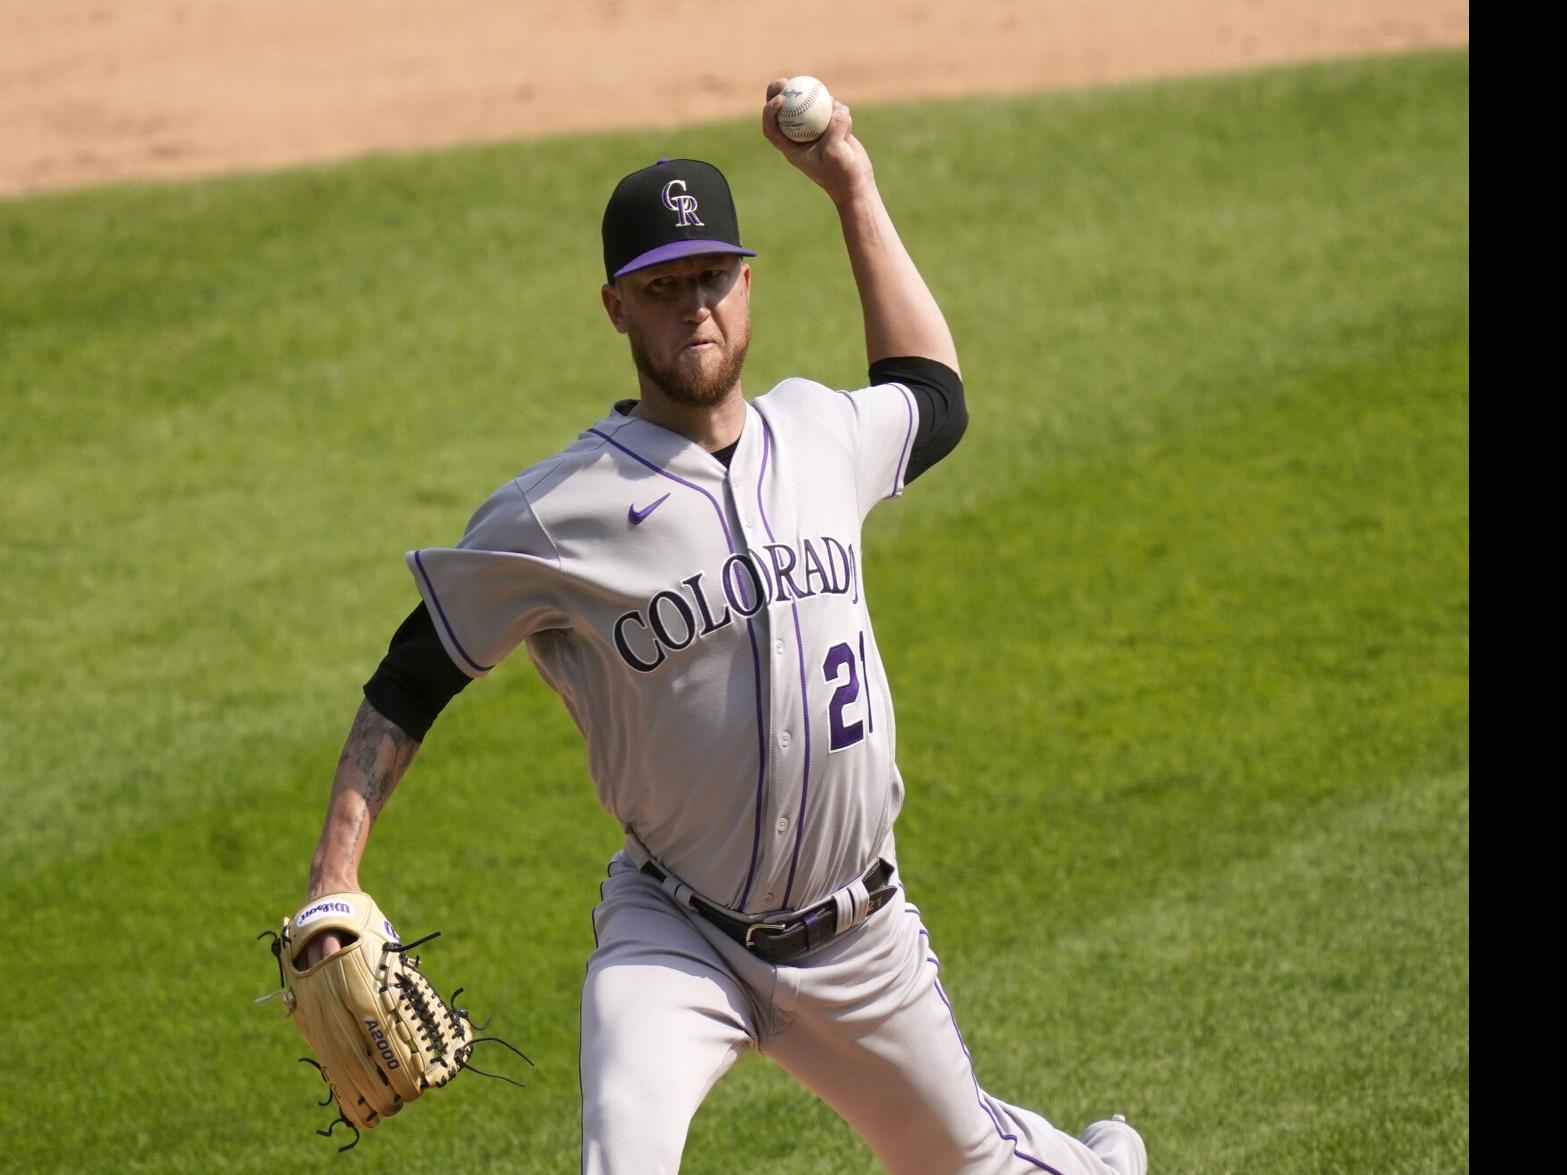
point(692, 385)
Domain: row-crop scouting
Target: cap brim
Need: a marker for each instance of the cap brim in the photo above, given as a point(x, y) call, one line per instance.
point(675, 250)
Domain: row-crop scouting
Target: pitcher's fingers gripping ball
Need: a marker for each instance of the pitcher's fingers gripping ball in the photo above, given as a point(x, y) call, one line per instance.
point(806, 110)
point(382, 1035)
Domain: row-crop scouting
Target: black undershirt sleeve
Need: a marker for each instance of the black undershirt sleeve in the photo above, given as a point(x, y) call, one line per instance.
point(938, 391)
point(416, 678)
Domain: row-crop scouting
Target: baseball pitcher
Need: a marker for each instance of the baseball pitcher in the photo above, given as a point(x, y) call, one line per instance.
point(688, 577)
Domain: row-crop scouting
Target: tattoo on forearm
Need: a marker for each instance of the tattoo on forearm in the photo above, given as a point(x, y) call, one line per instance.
point(378, 772)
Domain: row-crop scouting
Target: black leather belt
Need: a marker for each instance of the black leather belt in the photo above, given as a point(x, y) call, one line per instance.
point(780, 940)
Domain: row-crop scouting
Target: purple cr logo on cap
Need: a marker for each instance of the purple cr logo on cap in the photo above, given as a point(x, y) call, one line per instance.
point(681, 203)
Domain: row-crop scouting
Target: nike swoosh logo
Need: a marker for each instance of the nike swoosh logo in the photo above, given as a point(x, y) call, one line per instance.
point(638, 517)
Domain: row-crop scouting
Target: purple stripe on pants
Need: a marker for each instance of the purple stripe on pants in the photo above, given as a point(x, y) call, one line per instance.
point(978, 1096)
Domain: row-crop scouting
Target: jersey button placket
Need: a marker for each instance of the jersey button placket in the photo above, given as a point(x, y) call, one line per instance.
point(780, 676)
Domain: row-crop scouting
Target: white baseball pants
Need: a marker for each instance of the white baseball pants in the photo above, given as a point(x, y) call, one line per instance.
point(670, 1004)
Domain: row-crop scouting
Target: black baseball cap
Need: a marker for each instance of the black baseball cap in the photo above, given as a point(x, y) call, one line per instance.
point(675, 208)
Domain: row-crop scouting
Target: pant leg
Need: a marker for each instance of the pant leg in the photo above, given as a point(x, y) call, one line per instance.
point(874, 1036)
point(662, 1021)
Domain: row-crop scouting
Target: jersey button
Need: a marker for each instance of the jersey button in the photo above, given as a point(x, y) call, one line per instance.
point(783, 739)
point(778, 646)
point(782, 826)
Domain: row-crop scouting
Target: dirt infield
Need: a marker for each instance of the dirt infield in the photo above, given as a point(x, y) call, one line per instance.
point(93, 91)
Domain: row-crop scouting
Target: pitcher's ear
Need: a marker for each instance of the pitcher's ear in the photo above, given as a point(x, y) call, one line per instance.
point(613, 306)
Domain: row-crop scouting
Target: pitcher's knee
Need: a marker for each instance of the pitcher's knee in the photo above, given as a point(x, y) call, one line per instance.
point(628, 1129)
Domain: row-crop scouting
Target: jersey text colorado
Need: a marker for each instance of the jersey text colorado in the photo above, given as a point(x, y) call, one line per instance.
point(672, 620)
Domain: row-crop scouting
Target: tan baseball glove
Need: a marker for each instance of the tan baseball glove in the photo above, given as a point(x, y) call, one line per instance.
point(380, 1032)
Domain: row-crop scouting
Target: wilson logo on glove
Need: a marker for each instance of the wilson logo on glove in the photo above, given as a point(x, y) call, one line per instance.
point(411, 1041)
point(311, 913)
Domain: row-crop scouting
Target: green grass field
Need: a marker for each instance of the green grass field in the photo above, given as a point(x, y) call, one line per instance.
point(1179, 635)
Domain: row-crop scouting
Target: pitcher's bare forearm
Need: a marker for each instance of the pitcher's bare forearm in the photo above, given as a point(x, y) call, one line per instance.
point(901, 314)
point(375, 755)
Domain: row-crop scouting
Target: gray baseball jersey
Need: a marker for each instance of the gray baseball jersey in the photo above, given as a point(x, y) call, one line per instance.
point(707, 629)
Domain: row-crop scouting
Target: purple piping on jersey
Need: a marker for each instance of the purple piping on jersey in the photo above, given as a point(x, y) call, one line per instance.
point(767, 452)
point(445, 623)
point(870, 692)
point(908, 437)
point(805, 779)
point(805, 697)
point(978, 1096)
point(761, 770)
point(761, 719)
point(756, 658)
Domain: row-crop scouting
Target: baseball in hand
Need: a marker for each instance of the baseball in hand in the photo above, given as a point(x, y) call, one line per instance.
point(806, 110)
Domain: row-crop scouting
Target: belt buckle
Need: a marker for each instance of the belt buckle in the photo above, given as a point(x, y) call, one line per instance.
point(755, 926)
